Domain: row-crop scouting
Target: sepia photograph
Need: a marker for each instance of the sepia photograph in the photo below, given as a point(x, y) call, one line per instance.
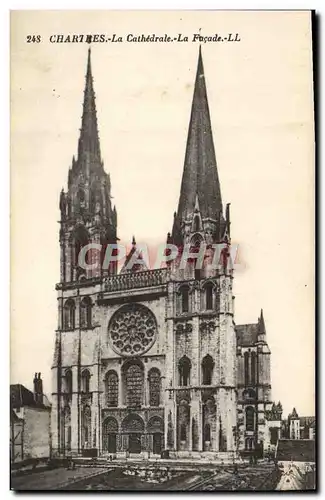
point(162, 251)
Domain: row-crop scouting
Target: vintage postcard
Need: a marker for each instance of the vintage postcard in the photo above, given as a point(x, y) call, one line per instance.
point(162, 246)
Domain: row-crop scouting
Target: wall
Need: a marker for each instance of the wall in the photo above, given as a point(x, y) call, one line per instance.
point(16, 441)
point(269, 425)
point(36, 433)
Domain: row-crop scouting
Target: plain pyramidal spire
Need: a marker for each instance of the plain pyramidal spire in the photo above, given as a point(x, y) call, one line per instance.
point(200, 175)
point(89, 139)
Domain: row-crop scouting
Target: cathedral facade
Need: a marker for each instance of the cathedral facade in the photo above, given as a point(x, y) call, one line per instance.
point(151, 360)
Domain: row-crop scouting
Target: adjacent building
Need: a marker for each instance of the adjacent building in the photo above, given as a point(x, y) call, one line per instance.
point(30, 417)
point(148, 360)
point(296, 427)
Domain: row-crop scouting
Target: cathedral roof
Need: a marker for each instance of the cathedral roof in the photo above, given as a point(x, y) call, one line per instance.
point(247, 334)
point(139, 264)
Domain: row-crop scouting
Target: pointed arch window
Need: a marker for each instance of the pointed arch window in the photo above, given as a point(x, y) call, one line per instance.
point(85, 312)
point(154, 387)
point(207, 432)
point(134, 383)
point(81, 199)
point(207, 370)
point(68, 382)
point(183, 432)
point(185, 303)
point(246, 367)
point(250, 418)
point(69, 315)
point(196, 223)
point(209, 296)
point(253, 368)
point(184, 368)
point(81, 240)
point(85, 381)
point(111, 388)
point(197, 274)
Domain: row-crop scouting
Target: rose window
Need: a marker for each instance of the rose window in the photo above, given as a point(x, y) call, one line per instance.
point(132, 330)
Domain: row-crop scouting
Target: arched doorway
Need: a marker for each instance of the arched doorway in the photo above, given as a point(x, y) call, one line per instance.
point(133, 426)
point(110, 430)
point(155, 430)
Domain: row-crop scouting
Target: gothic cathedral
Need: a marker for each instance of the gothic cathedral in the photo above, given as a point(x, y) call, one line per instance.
point(150, 362)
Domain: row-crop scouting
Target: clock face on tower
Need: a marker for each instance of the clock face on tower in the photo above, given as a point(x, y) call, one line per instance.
point(132, 330)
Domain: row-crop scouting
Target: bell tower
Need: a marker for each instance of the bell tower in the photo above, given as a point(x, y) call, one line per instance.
point(87, 216)
point(201, 365)
point(88, 223)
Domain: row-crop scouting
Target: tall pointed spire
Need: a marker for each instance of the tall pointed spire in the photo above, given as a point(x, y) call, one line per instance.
point(261, 328)
point(89, 140)
point(200, 176)
point(261, 323)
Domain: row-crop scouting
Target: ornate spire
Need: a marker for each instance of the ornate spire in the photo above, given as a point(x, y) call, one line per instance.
point(261, 322)
point(261, 327)
point(89, 140)
point(89, 186)
point(137, 264)
point(200, 176)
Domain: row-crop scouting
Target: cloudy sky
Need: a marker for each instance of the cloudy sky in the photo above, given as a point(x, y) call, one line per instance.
point(261, 105)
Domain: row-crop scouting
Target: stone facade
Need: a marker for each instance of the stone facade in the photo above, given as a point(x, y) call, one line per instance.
point(152, 360)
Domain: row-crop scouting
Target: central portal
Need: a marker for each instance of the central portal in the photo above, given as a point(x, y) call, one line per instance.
point(133, 429)
point(135, 443)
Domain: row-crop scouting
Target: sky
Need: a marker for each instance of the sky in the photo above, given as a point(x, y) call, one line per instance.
point(261, 104)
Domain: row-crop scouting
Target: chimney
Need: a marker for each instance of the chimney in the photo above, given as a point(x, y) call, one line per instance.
point(38, 388)
point(35, 385)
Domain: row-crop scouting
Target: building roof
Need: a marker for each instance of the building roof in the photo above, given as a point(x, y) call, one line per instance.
point(246, 334)
point(296, 450)
point(139, 264)
point(293, 415)
point(21, 396)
